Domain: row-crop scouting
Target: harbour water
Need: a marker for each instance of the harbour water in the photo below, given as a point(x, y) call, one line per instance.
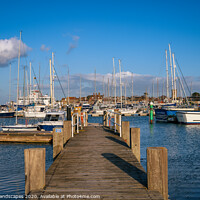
point(182, 142)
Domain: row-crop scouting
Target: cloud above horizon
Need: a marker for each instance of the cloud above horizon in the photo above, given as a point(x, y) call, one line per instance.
point(141, 84)
point(9, 50)
point(44, 48)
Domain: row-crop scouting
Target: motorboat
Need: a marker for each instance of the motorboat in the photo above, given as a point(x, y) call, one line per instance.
point(35, 112)
point(52, 120)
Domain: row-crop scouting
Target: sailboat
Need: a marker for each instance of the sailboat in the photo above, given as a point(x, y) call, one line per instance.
point(168, 112)
point(19, 127)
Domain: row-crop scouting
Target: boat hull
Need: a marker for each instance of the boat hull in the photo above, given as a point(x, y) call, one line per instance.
point(34, 114)
point(20, 127)
point(49, 127)
point(190, 118)
point(7, 114)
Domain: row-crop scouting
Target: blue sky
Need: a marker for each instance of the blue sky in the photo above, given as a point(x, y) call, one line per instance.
point(86, 35)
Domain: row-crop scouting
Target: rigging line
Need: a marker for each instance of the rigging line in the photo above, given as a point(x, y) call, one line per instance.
point(59, 82)
point(183, 77)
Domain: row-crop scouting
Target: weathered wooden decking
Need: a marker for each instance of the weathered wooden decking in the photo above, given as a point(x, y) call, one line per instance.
point(97, 162)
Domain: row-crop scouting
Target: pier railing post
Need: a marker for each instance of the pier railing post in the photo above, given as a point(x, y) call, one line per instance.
point(77, 127)
point(157, 170)
point(135, 142)
point(126, 131)
point(57, 141)
point(120, 125)
point(86, 119)
point(115, 122)
point(34, 160)
point(67, 131)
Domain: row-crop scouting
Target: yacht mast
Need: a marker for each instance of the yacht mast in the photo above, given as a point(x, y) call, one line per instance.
point(80, 88)
point(51, 82)
point(132, 89)
point(53, 77)
point(174, 64)
point(95, 83)
point(170, 59)
point(114, 79)
point(68, 87)
point(30, 79)
point(18, 76)
point(167, 75)
point(27, 89)
point(103, 89)
point(24, 87)
point(10, 84)
point(108, 92)
point(120, 81)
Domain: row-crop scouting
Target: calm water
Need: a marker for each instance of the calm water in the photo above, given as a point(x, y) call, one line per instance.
point(182, 142)
point(12, 178)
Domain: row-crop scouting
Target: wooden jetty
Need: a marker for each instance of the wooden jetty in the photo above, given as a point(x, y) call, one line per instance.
point(95, 164)
point(26, 137)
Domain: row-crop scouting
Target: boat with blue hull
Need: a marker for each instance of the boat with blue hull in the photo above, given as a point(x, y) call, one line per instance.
point(52, 120)
point(168, 114)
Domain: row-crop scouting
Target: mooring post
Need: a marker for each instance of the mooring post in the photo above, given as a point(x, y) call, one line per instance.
point(34, 160)
point(67, 131)
point(57, 141)
point(126, 132)
point(104, 118)
point(135, 142)
point(157, 170)
point(151, 113)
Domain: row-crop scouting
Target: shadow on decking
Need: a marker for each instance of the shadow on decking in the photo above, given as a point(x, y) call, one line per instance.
point(117, 141)
point(108, 130)
point(131, 170)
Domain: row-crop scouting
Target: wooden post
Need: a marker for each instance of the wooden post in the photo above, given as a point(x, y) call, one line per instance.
point(107, 121)
point(34, 160)
point(86, 119)
point(104, 118)
point(135, 142)
point(157, 170)
point(67, 131)
point(57, 141)
point(126, 132)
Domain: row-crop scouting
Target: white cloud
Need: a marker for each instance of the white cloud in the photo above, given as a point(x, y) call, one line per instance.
point(9, 50)
point(44, 48)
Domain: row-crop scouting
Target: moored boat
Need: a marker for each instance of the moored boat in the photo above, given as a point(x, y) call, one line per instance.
point(6, 114)
point(168, 113)
point(20, 127)
point(188, 117)
point(52, 120)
